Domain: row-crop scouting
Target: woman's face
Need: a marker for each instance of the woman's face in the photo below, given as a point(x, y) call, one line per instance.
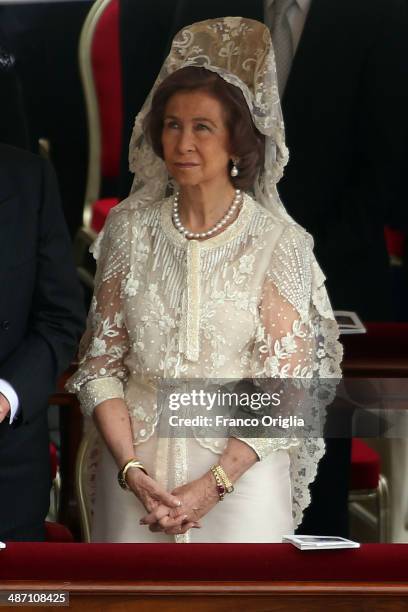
point(195, 139)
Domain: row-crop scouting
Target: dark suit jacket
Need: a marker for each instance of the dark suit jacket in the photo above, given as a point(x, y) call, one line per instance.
point(345, 114)
point(44, 38)
point(41, 318)
point(13, 124)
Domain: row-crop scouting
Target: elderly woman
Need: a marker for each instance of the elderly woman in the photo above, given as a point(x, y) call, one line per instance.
point(208, 282)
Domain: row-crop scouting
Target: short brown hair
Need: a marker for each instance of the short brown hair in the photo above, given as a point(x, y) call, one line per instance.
point(247, 142)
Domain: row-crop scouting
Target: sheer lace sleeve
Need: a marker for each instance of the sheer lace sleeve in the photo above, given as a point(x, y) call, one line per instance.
point(296, 339)
point(284, 344)
point(102, 372)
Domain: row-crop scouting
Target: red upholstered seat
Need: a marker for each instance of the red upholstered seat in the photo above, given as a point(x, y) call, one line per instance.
point(367, 483)
point(395, 241)
point(53, 460)
point(106, 68)
point(101, 73)
point(365, 466)
point(383, 341)
point(55, 532)
point(100, 210)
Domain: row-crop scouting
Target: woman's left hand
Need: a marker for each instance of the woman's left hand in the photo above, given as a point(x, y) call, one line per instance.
point(198, 498)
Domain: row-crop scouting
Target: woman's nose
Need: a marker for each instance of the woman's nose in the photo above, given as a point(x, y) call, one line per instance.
point(185, 141)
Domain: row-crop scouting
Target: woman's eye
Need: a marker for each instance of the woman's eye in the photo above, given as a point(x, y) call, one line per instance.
point(172, 124)
point(202, 126)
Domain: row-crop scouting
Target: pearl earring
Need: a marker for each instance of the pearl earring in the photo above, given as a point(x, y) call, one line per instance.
point(234, 169)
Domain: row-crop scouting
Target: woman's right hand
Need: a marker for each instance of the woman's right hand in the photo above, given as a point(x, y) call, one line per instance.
point(153, 497)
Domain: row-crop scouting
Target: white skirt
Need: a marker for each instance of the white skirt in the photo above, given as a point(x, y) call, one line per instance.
point(259, 509)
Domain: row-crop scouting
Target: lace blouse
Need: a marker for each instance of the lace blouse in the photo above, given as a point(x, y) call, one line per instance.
point(237, 305)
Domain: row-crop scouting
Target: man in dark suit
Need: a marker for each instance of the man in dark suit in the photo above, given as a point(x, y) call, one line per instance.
point(41, 318)
point(344, 107)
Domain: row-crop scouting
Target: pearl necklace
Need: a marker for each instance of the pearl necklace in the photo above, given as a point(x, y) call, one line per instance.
point(221, 223)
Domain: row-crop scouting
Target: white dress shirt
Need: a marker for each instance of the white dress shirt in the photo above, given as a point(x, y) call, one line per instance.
point(297, 15)
point(9, 393)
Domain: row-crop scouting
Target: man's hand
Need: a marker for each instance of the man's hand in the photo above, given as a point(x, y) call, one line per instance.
point(4, 407)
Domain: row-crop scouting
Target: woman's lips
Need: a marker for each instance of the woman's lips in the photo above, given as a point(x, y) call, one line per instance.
point(186, 165)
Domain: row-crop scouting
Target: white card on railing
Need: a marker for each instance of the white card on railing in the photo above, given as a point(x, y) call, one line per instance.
point(311, 542)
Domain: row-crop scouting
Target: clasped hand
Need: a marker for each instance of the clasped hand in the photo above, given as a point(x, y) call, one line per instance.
point(178, 511)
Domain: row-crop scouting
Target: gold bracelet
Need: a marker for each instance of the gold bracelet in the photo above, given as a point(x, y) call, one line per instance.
point(122, 472)
point(223, 483)
point(226, 481)
point(218, 482)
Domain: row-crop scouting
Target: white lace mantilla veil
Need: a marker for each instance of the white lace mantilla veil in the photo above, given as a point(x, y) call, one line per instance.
point(240, 51)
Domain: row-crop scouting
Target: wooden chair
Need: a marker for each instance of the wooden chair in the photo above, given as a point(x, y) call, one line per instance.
point(55, 480)
point(100, 68)
point(71, 426)
point(86, 464)
point(381, 353)
point(367, 483)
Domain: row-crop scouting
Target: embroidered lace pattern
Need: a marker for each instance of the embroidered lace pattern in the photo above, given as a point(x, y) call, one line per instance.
point(240, 51)
point(248, 303)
